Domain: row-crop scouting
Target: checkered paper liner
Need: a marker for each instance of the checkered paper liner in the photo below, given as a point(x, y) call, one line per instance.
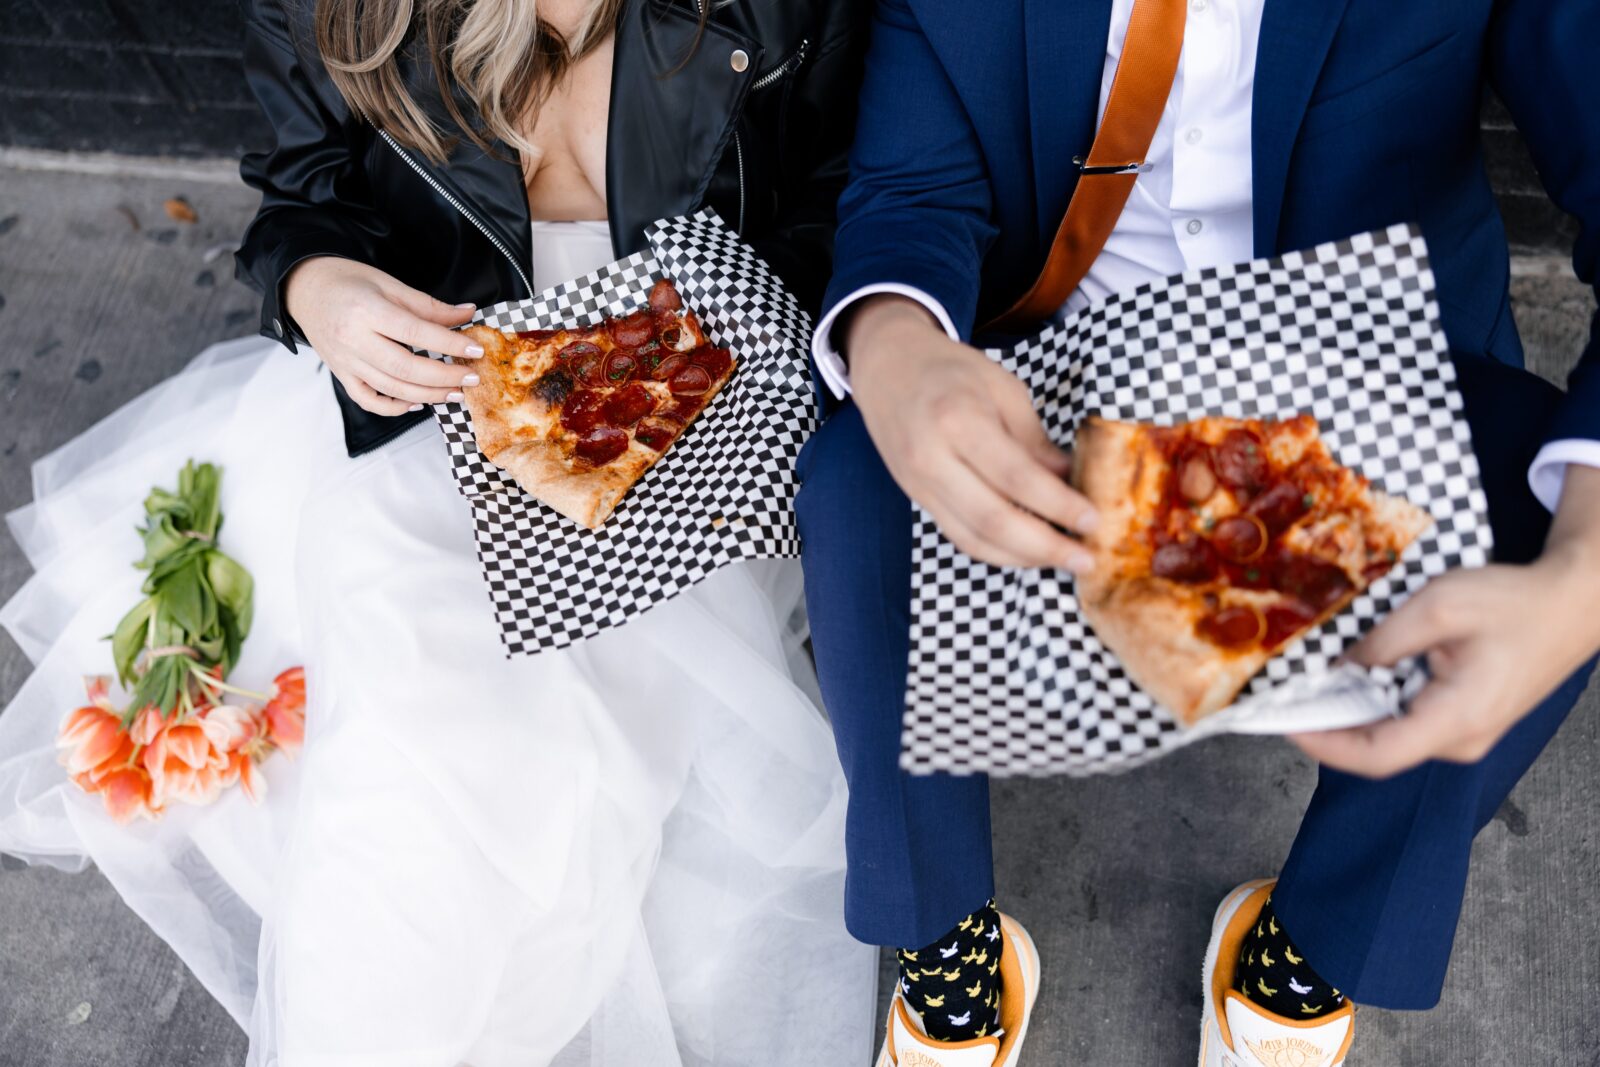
point(723, 491)
point(1005, 675)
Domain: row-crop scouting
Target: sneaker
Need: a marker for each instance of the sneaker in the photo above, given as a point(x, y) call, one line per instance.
point(1236, 1032)
point(908, 1046)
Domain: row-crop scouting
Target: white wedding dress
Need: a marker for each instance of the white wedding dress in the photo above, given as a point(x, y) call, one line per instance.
point(625, 854)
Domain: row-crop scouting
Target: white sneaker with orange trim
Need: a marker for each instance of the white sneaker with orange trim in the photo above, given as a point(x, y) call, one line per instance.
point(908, 1046)
point(1234, 1032)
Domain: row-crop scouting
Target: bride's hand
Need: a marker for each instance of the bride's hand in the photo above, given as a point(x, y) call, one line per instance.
point(360, 321)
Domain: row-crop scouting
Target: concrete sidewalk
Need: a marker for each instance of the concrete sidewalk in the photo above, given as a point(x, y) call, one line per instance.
point(102, 295)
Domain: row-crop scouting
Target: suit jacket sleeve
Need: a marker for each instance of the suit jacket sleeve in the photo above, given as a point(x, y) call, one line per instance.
point(1542, 62)
point(917, 211)
point(314, 195)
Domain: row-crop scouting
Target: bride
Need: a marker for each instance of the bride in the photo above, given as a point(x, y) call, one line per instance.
point(625, 853)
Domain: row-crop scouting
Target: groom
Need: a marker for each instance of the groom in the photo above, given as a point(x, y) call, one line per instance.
point(1016, 160)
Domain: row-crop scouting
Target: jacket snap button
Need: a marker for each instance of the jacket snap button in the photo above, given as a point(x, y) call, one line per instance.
point(739, 61)
point(276, 325)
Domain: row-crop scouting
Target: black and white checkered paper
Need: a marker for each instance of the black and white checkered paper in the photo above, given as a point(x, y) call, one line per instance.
point(723, 491)
point(1006, 677)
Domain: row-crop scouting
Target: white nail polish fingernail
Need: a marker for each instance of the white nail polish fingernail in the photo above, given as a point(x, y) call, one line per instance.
point(454, 398)
point(471, 379)
point(414, 407)
point(474, 350)
point(467, 305)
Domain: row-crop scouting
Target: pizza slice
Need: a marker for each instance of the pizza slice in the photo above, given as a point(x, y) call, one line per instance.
point(1220, 542)
point(577, 415)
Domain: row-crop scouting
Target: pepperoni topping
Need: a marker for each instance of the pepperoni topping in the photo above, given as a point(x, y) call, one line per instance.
point(670, 366)
point(690, 381)
point(1233, 627)
point(715, 361)
point(1284, 621)
point(658, 431)
point(1280, 506)
point(686, 407)
point(1315, 583)
point(554, 386)
point(631, 331)
point(1241, 538)
point(628, 405)
point(590, 369)
point(620, 366)
point(1185, 561)
point(582, 411)
point(539, 336)
point(577, 350)
point(1240, 461)
point(664, 296)
point(602, 445)
point(671, 332)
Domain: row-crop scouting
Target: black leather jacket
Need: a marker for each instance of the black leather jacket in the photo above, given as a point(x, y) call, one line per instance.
point(757, 124)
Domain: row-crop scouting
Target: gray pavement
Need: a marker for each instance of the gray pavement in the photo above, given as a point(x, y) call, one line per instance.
point(101, 295)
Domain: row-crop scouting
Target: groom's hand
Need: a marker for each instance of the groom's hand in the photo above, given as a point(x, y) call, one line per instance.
point(960, 436)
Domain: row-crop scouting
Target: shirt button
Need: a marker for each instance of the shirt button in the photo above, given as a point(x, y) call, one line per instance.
point(1195, 226)
point(739, 61)
point(1193, 136)
point(278, 327)
point(1199, 6)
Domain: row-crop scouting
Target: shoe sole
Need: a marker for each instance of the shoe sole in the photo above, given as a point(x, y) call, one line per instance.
point(1032, 973)
point(1219, 923)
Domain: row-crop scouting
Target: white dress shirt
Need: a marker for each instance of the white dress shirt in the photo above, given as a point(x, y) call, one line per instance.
point(1193, 208)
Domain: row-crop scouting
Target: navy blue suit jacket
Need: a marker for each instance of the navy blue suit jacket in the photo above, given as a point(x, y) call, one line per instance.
point(1365, 115)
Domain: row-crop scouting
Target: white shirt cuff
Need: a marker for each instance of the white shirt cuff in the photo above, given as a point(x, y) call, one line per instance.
point(831, 364)
point(1549, 471)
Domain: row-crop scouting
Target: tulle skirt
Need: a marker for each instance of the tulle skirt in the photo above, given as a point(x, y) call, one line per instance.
point(626, 853)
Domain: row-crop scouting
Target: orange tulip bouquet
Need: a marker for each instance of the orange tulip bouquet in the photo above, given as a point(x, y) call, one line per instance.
point(185, 734)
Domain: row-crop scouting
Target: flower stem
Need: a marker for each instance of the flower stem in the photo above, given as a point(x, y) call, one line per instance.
point(213, 683)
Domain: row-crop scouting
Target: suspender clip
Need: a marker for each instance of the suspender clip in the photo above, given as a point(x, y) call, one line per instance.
point(1125, 168)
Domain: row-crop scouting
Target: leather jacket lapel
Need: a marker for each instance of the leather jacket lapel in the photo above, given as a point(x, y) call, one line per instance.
point(668, 130)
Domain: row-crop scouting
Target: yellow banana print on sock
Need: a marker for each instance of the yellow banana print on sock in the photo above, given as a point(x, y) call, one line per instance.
point(911, 973)
point(977, 931)
point(983, 1031)
point(1260, 931)
point(953, 976)
point(1266, 991)
point(995, 966)
point(1288, 954)
point(934, 1002)
point(912, 956)
point(975, 990)
point(926, 973)
point(965, 923)
point(1250, 960)
point(1272, 924)
point(1266, 960)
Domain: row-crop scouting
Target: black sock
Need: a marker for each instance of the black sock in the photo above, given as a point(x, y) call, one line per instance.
point(954, 983)
point(1274, 974)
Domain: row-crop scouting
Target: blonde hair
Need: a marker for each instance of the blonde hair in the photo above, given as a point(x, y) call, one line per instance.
point(499, 52)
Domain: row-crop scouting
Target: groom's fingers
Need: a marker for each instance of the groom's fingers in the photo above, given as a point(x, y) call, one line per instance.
point(1018, 474)
point(999, 531)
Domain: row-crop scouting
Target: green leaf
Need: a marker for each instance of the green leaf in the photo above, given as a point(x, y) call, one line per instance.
point(234, 587)
point(129, 639)
point(180, 595)
point(161, 540)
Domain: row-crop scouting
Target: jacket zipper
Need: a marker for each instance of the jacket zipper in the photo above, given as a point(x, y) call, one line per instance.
point(771, 77)
point(459, 206)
